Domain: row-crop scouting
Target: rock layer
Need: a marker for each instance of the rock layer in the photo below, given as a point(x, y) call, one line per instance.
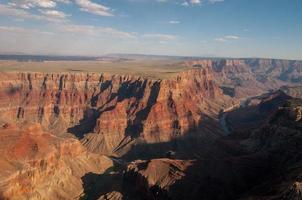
point(114, 109)
point(43, 117)
point(250, 77)
point(38, 165)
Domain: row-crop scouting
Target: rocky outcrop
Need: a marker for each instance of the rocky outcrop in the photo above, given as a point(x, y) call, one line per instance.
point(167, 109)
point(255, 112)
point(153, 179)
point(265, 164)
point(115, 110)
point(108, 113)
point(49, 121)
point(38, 165)
point(280, 138)
point(251, 77)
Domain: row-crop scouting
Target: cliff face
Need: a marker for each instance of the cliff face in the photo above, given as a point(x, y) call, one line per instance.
point(157, 111)
point(251, 77)
point(280, 138)
point(115, 110)
point(108, 113)
point(38, 165)
point(153, 179)
point(49, 121)
point(265, 164)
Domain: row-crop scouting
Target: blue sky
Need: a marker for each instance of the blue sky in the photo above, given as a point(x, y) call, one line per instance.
point(227, 28)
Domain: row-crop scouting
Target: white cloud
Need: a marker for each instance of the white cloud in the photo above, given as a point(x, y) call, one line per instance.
point(199, 2)
point(233, 37)
point(161, 37)
point(64, 1)
point(220, 40)
point(227, 38)
point(27, 4)
point(94, 8)
point(195, 2)
point(50, 15)
point(93, 31)
point(185, 4)
point(174, 22)
point(20, 13)
point(54, 13)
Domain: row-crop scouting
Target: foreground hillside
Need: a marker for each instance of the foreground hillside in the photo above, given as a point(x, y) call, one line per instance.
point(190, 130)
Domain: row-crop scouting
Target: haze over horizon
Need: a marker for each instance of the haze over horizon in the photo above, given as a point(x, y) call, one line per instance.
point(216, 28)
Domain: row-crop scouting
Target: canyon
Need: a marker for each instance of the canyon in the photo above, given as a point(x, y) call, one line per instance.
point(203, 129)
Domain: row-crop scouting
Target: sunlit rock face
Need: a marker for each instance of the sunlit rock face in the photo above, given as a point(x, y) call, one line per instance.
point(49, 121)
point(107, 111)
point(57, 130)
point(39, 165)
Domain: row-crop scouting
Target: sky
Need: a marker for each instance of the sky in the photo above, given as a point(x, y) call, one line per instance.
point(206, 28)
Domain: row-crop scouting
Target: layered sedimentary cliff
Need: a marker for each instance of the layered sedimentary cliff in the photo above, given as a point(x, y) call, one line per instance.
point(260, 164)
point(38, 165)
point(45, 115)
point(60, 125)
point(116, 109)
point(250, 77)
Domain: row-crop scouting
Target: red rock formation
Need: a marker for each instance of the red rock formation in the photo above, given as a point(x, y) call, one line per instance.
point(115, 108)
point(113, 113)
point(161, 172)
point(38, 165)
point(263, 165)
point(156, 111)
point(153, 179)
point(251, 77)
point(117, 111)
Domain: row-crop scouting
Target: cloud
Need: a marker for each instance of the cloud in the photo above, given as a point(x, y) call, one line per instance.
point(50, 15)
point(85, 5)
point(64, 1)
point(191, 2)
point(14, 29)
point(185, 4)
point(227, 38)
point(233, 37)
point(93, 31)
point(195, 2)
point(161, 37)
point(27, 4)
point(94, 8)
point(199, 2)
point(174, 22)
point(54, 13)
point(220, 40)
point(7, 10)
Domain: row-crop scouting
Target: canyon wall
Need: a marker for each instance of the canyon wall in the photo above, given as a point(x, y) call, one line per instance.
point(241, 78)
point(110, 111)
point(43, 117)
point(264, 163)
point(56, 129)
point(36, 164)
